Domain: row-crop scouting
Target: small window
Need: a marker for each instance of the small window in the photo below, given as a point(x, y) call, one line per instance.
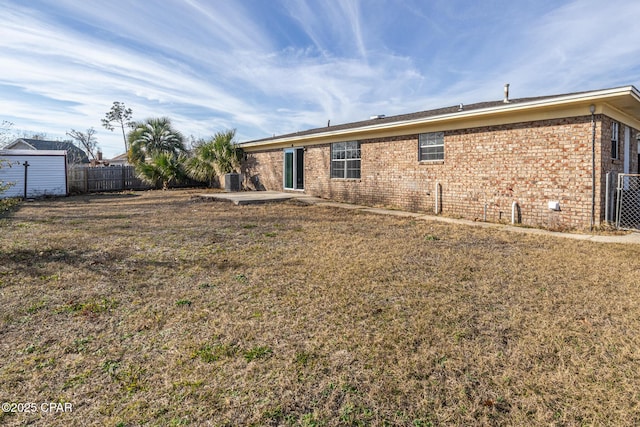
point(345, 160)
point(431, 146)
point(615, 132)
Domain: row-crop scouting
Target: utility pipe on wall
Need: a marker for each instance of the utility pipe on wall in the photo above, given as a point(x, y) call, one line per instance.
point(437, 207)
point(514, 208)
point(592, 109)
point(606, 198)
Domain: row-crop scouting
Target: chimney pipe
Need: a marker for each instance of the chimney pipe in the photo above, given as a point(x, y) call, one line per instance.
point(506, 93)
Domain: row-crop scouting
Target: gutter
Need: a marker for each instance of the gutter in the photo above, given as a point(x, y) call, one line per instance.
point(513, 106)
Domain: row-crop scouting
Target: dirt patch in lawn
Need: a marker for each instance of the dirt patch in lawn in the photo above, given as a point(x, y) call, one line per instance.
point(155, 308)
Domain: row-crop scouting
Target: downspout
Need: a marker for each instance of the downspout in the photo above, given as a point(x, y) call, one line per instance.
point(592, 108)
point(606, 197)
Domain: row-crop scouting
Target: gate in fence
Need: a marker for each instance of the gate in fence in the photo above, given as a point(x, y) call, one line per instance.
point(628, 202)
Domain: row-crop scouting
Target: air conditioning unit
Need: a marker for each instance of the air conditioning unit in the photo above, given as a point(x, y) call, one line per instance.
point(232, 182)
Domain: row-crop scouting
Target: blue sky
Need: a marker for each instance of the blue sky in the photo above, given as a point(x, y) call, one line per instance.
point(277, 66)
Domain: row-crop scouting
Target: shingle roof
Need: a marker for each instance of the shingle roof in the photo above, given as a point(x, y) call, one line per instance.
point(41, 144)
point(414, 116)
point(74, 153)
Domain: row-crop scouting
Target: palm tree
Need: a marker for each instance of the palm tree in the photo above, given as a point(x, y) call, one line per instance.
point(201, 166)
point(163, 168)
point(157, 150)
point(155, 135)
point(218, 156)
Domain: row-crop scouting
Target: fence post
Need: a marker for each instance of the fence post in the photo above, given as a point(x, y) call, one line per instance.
point(26, 165)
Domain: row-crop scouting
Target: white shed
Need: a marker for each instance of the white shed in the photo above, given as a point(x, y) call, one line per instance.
point(46, 174)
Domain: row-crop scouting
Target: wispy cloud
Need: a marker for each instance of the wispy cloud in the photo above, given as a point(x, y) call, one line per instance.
point(580, 45)
point(334, 27)
point(282, 66)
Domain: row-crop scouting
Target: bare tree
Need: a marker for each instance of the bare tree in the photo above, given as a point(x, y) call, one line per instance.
point(5, 129)
point(29, 134)
point(120, 115)
point(86, 140)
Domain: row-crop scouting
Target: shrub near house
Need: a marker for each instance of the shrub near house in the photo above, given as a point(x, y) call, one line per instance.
point(214, 158)
point(157, 151)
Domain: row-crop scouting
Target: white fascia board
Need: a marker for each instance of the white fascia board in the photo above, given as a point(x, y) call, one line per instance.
point(11, 152)
point(18, 141)
point(593, 96)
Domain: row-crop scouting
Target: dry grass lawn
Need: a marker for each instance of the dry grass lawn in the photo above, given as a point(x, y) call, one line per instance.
point(158, 309)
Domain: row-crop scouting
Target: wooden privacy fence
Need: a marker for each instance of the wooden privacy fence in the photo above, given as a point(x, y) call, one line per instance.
point(111, 178)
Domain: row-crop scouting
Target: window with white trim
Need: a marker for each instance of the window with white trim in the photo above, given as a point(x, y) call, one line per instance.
point(345, 160)
point(615, 144)
point(431, 146)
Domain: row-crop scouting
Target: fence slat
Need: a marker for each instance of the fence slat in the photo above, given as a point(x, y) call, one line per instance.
point(84, 179)
point(114, 178)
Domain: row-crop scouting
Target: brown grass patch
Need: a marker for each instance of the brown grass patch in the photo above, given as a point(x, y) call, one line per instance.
point(156, 309)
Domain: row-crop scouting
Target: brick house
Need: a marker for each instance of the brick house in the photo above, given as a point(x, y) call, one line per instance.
point(469, 161)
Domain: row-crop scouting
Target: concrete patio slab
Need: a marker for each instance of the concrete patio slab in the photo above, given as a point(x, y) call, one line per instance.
point(250, 197)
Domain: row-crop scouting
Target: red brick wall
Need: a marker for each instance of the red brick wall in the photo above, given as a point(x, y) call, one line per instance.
point(485, 170)
point(263, 170)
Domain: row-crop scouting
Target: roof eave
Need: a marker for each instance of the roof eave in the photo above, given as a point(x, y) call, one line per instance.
point(13, 152)
point(22, 140)
point(584, 98)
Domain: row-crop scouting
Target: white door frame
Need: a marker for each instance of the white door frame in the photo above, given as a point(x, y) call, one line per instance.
point(297, 170)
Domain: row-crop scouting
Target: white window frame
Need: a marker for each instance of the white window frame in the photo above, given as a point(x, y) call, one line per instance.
point(346, 160)
point(626, 165)
point(615, 140)
point(431, 147)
